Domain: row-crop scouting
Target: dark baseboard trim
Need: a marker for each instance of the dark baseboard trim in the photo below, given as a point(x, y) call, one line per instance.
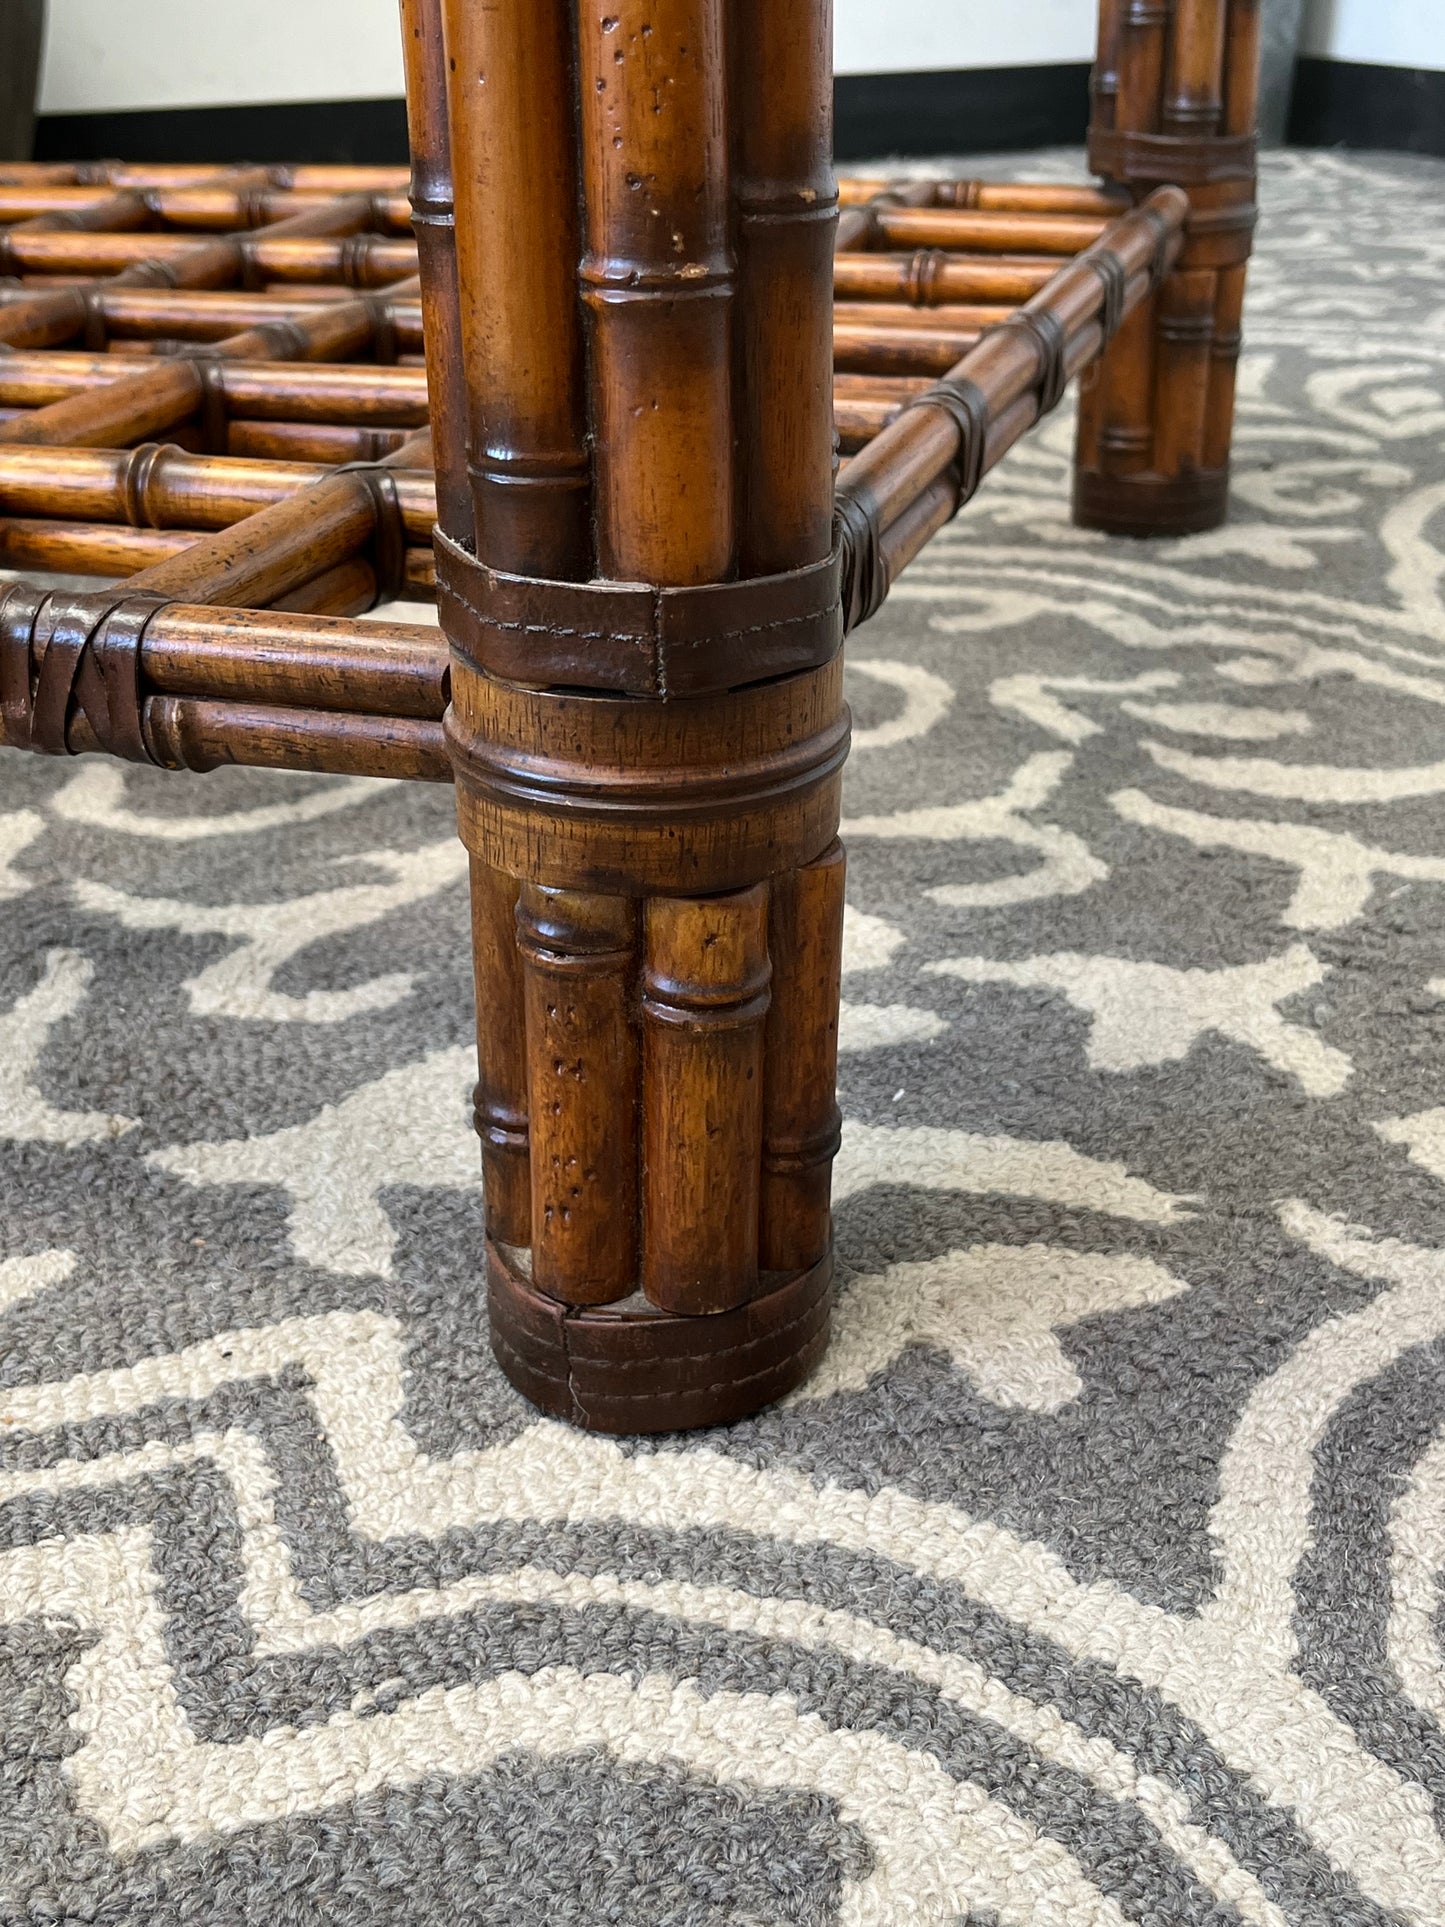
point(959, 111)
point(365, 132)
point(1344, 103)
point(877, 114)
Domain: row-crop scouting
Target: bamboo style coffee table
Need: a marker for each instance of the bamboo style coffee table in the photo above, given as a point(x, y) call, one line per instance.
point(616, 366)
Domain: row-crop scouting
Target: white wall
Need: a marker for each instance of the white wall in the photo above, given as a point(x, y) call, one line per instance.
point(107, 55)
point(907, 36)
point(103, 56)
point(1386, 33)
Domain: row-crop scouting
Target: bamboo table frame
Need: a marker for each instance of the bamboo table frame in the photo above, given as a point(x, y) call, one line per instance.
point(638, 326)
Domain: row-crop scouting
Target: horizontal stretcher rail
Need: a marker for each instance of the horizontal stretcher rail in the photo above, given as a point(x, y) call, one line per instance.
point(39, 257)
point(109, 549)
point(204, 209)
point(323, 177)
point(300, 690)
point(261, 390)
point(917, 472)
point(189, 188)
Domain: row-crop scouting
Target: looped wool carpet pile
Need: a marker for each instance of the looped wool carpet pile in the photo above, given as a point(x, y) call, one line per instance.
point(1095, 1579)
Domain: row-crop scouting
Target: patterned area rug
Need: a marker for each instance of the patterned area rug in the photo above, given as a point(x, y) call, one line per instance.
point(1096, 1577)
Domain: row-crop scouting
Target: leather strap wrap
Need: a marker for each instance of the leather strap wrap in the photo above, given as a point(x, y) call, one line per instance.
point(631, 639)
point(95, 334)
point(860, 536)
point(252, 278)
point(215, 418)
point(285, 340)
point(1045, 330)
point(1159, 266)
point(355, 258)
point(383, 323)
point(89, 648)
point(967, 405)
point(148, 274)
point(855, 508)
point(1113, 279)
point(252, 205)
point(388, 543)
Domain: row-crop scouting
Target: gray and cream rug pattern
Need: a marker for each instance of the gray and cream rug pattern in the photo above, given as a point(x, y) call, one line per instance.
point(1095, 1579)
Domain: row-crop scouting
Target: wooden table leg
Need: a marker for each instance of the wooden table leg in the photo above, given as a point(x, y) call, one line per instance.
point(1175, 89)
point(647, 722)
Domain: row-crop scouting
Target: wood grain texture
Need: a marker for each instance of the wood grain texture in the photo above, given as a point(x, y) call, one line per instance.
point(1155, 429)
point(700, 794)
point(578, 958)
point(611, 363)
point(657, 282)
point(433, 221)
point(704, 1003)
point(800, 1114)
point(780, 73)
point(500, 1102)
point(511, 94)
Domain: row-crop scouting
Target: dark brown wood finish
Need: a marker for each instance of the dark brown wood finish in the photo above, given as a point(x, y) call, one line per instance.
point(514, 143)
point(511, 111)
point(643, 320)
point(501, 1093)
point(1174, 100)
point(785, 200)
point(704, 1001)
point(433, 220)
point(800, 1113)
point(578, 965)
point(644, 828)
point(658, 283)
